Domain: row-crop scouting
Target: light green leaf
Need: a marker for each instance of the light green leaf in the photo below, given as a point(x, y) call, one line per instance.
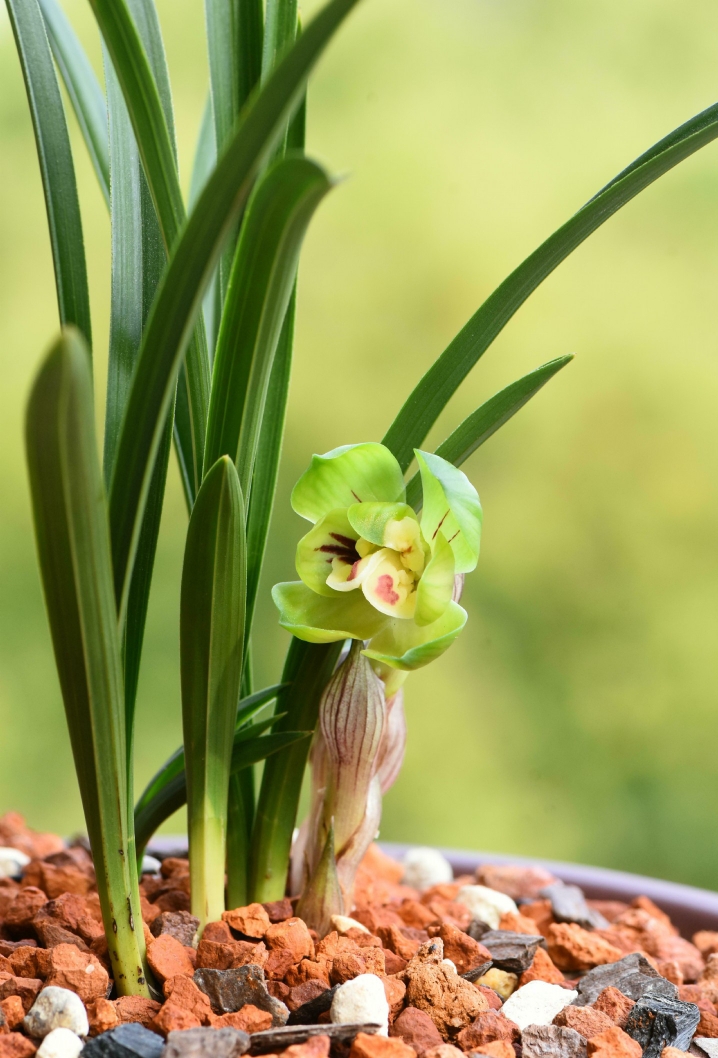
point(214, 578)
point(487, 419)
point(434, 391)
point(189, 271)
point(434, 591)
point(451, 504)
point(316, 619)
point(407, 646)
point(73, 544)
point(56, 165)
point(83, 88)
point(260, 287)
point(330, 538)
point(345, 476)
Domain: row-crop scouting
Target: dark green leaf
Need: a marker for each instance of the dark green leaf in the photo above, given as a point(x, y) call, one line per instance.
point(257, 299)
point(73, 543)
point(486, 420)
point(83, 88)
point(190, 268)
point(132, 35)
point(441, 381)
point(234, 38)
point(56, 165)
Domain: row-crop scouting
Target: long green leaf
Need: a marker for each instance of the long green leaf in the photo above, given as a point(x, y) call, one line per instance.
point(487, 419)
point(257, 299)
point(441, 381)
point(234, 40)
point(266, 464)
point(269, 447)
point(279, 32)
point(307, 670)
point(190, 268)
point(205, 159)
point(56, 165)
point(173, 795)
point(132, 35)
point(74, 550)
point(138, 260)
point(83, 88)
point(214, 582)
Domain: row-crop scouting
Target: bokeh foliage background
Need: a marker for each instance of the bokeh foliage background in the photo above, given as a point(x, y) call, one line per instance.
point(576, 717)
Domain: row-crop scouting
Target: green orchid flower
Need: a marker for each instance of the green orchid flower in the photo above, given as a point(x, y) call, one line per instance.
point(371, 568)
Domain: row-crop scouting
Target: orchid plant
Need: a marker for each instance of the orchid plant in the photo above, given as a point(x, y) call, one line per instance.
point(199, 357)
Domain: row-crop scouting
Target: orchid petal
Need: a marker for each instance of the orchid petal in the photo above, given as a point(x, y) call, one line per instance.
point(388, 586)
point(406, 645)
point(331, 539)
point(352, 474)
point(370, 519)
point(317, 619)
point(452, 505)
point(436, 587)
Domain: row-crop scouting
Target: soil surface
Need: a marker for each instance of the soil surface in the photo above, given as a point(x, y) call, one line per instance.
point(523, 965)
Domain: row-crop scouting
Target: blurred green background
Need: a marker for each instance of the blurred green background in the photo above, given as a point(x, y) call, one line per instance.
point(576, 717)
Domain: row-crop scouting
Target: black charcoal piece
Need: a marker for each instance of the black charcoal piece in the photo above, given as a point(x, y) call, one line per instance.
point(131, 1040)
point(229, 990)
point(633, 975)
point(513, 952)
point(657, 1022)
point(477, 972)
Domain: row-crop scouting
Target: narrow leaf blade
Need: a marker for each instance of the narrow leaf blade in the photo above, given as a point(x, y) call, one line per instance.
point(56, 165)
point(441, 381)
point(487, 419)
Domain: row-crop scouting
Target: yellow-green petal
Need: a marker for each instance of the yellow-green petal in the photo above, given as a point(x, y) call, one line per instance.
point(406, 645)
point(371, 519)
point(360, 473)
point(317, 619)
point(332, 537)
point(436, 586)
point(451, 504)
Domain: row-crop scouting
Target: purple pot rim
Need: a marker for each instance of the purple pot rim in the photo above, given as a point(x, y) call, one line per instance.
point(689, 907)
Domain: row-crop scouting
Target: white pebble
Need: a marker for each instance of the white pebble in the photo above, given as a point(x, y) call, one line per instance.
point(487, 904)
point(150, 865)
point(426, 867)
point(60, 1043)
point(537, 1003)
point(56, 1008)
point(12, 862)
point(449, 965)
point(361, 1001)
point(342, 924)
